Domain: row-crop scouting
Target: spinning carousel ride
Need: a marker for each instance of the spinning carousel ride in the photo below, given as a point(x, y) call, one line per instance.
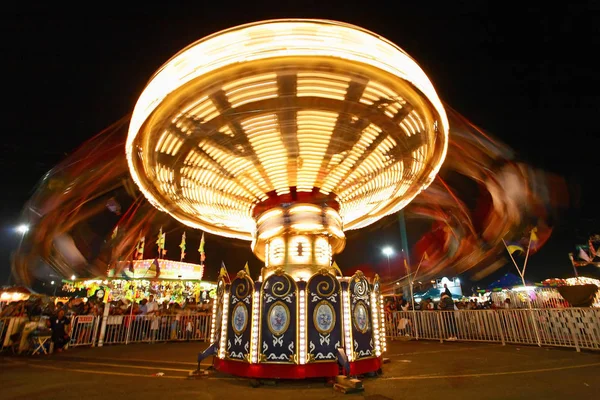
point(286, 133)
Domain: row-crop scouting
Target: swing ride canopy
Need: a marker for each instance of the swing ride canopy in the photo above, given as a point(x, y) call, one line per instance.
point(286, 111)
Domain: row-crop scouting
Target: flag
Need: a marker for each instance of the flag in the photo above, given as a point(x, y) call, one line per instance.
point(247, 269)
point(515, 248)
point(155, 266)
point(335, 266)
point(139, 251)
point(201, 249)
point(533, 238)
point(223, 272)
point(160, 242)
point(182, 246)
point(583, 255)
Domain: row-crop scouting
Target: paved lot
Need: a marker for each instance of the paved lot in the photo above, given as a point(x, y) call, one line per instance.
point(417, 370)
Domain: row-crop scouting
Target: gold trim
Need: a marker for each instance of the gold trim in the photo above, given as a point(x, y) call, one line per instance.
point(242, 360)
point(315, 323)
point(287, 320)
point(261, 358)
point(243, 289)
point(358, 275)
point(323, 287)
point(240, 331)
point(279, 286)
point(365, 357)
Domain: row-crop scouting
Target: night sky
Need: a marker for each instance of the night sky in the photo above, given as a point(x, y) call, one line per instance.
point(525, 74)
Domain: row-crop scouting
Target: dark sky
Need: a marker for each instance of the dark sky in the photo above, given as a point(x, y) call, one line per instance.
point(525, 73)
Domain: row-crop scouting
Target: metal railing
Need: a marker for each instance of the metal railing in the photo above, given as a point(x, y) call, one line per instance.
point(577, 328)
point(540, 297)
point(567, 327)
point(10, 326)
point(138, 329)
point(84, 330)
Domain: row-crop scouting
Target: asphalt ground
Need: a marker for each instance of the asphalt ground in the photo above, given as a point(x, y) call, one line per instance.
point(417, 370)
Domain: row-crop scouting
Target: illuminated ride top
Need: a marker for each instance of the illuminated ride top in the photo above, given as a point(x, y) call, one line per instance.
point(287, 133)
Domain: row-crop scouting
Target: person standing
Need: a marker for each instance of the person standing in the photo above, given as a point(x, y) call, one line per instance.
point(447, 304)
point(152, 316)
point(447, 291)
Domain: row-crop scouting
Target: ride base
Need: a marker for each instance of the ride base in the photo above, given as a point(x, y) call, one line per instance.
point(286, 328)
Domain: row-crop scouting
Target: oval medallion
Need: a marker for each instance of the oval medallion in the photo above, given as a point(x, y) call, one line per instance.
point(239, 318)
point(360, 317)
point(279, 318)
point(324, 317)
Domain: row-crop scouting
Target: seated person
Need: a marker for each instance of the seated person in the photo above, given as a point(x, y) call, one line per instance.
point(60, 336)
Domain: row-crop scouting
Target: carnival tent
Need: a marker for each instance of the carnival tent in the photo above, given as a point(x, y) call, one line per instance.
point(434, 294)
point(508, 281)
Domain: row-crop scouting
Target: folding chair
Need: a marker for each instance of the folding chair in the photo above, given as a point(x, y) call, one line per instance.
point(39, 344)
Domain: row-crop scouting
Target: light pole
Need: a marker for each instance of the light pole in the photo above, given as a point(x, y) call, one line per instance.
point(388, 251)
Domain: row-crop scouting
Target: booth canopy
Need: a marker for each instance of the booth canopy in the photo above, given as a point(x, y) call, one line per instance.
point(434, 294)
point(508, 281)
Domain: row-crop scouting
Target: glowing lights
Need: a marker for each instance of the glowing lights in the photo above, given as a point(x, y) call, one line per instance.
point(388, 251)
point(299, 234)
point(270, 233)
point(276, 251)
point(307, 227)
point(302, 327)
point(322, 251)
point(22, 229)
point(304, 208)
point(270, 106)
point(382, 325)
point(300, 251)
point(213, 322)
point(13, 296)
point(169, 269)
point(269, 215)
point(223, 342)
point(347, 325)
point(376, 325)
point(254, 333)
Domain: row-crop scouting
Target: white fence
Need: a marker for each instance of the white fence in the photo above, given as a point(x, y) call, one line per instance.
point(85, 330)
point(578, 328)
point(135, 329)
point(540, 297)
point(569, 327)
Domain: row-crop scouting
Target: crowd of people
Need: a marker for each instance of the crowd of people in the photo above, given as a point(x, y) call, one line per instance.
point(42, 315)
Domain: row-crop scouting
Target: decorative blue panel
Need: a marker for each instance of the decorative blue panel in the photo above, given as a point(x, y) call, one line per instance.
point(360, 315)
point(279, 319)
point(323, 317)
point(240, 317)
